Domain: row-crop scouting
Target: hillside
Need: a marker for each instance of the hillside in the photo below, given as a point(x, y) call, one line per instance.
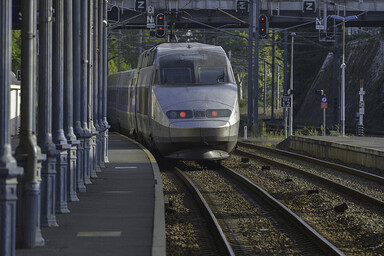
point(364, 59)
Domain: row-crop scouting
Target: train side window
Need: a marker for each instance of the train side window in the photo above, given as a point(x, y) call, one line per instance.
point(140, 61)
point(157, 75)
point(176, 76)
point(212, 75)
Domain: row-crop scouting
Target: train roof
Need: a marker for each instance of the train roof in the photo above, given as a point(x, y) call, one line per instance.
point(166, 48)
point(113, 80)
point(149, 56)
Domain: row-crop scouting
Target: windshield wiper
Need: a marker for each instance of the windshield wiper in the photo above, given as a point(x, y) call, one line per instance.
point(220, 78)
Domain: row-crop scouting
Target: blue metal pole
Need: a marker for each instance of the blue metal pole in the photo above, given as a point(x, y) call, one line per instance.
point(105, 69)
point(58, 109)
point(68, 99)
point(256, 72)
point(335, 80)
point(44, 139)
point(8, 167)
point(100, 83)
point(285, 86)
point(91, 124)
point(85, 98)
point(95, 84)
point(273, 77)
point(251, 33)
point(28, 154)
point(77, 76)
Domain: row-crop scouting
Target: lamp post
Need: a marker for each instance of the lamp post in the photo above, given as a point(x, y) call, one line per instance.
point(343, 66)
point(293, 34)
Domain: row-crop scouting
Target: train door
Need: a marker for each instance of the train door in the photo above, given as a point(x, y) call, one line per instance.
point(143, 100)
point(150, 96)
point(134, 102)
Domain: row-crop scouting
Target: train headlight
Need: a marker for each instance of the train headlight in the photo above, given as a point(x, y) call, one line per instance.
point(172, 114)
point(179, 114)
point(218, 113)
point(182, 114)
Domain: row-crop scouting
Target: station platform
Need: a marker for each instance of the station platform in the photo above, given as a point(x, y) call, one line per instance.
point(122, 212)
point(363, 151)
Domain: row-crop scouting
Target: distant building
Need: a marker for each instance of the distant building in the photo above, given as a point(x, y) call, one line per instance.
point(15, 100)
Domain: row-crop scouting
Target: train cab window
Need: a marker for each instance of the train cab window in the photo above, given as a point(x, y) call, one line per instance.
point(181, 75)
point(212, 75)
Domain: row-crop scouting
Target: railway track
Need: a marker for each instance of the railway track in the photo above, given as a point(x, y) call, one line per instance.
point(220, 237)
point(375, 180)
point(187, 230)
point(252, 221)
point(335, 166)
point(350, 215)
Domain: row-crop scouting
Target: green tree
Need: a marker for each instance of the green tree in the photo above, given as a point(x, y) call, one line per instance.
point(16, 50)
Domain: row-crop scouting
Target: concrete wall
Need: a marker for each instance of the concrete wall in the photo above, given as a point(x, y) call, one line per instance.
point(336, 151)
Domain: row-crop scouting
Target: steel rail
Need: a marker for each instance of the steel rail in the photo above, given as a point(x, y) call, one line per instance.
point(225, 246)
point(338, 186)
point(323, 244)
point(350, 170)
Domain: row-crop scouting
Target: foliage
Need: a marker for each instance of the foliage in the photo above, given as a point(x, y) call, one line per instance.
point(306, 131)
point(16, 50)
point(243, 105)
point(129, 44)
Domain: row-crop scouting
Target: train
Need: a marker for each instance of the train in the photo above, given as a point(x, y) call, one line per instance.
point(181, 101)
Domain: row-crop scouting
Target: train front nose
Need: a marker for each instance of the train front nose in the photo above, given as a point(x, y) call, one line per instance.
point(208, 132)
point(202, 139)
point(202, 121)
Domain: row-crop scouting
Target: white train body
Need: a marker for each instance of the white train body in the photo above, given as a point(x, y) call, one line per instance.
point(181, 100)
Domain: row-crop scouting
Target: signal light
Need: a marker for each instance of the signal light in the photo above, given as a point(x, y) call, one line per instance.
point(182, 114)
point(179, 114)
point(211, 113)
point(160, 25)
point(263, 26)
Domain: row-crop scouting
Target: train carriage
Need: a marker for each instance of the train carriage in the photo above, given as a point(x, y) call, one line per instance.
point(181, 100)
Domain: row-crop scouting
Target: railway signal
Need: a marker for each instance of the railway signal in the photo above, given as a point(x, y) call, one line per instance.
point(160, 25)
point(263, 26)
point(324, 106)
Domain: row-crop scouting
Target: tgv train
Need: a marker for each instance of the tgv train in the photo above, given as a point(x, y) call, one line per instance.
point(181, 100)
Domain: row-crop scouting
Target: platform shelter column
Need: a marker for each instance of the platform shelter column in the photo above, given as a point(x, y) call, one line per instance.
point(77, 74)
point(85, 66)
point(68, 101)
point(100, 104)
point(58, 108)
point(105, 75)
point(44, 139)
point(91, 124)
point(28, 154)
point(8, 167)
point(95, 84)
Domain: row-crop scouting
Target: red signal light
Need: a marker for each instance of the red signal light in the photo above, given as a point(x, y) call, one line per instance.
point(214, 113)
point(160, 25)
point(183, 114)
point(263, 26)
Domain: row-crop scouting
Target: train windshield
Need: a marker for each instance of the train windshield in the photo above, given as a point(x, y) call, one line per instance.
point(212, 75)
point(181, 75)
point(194, 68)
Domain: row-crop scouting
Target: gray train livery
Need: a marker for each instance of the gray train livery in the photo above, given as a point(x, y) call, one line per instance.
point(181, 101)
